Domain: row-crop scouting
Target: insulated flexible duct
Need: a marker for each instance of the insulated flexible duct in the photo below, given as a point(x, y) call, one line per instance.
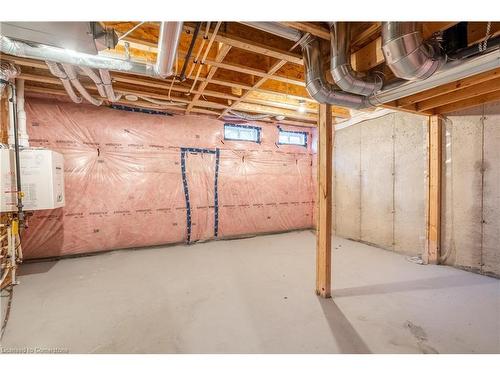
point(340, 67)
point(108, 85)
point(95, 78)
point(59, 73)
point(70, 72)
point(405, 52)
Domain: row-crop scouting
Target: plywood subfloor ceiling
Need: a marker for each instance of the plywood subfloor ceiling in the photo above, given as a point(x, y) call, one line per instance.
point(251, 71)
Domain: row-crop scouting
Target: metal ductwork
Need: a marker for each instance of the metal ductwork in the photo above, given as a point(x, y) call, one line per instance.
point(167, 49)
point(405, 52)
point(317, 85)
point(7, 72)
point(168, 39)
point(340, 67)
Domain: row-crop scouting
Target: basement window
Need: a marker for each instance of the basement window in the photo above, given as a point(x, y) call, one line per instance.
point(288, 137)
point(235, 132)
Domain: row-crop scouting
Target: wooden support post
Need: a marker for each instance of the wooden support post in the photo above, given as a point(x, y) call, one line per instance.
point(324, 202)
point(435, 134)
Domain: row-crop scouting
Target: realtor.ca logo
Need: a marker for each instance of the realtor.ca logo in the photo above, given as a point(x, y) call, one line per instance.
point(33, 350)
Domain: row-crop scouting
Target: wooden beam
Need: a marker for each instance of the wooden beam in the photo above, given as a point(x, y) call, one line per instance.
point(468, 103)
point(358, 40)
point(368, 57)
point(223, 51)
point(259, 48)
point(311, 28)
point(435, 144)
point(473, 91)
point(429, 28)
point(447, 88)
point(324, 202)
point(271, 71)
point(476, 31)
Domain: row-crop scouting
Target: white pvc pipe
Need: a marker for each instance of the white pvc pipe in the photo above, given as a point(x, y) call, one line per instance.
point(21, 114)
point(11, 119)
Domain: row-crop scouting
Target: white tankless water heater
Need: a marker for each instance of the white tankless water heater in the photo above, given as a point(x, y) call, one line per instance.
point(42, 179)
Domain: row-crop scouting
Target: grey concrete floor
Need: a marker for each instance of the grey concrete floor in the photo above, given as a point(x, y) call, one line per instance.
point(252, 295)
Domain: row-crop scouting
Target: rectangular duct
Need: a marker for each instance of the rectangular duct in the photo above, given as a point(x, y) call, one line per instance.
point(84, 37)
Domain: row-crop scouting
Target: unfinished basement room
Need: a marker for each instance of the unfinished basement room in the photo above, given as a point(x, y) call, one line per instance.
point(249, 187)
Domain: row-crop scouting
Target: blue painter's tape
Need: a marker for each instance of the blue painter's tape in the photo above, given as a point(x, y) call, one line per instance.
point(215, 152)
point(216, 193)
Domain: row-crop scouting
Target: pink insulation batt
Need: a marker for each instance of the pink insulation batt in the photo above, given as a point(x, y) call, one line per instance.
point(125, 186)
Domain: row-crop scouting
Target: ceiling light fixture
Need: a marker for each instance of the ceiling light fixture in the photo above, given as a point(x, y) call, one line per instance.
point(302, 106)
point(131, 98)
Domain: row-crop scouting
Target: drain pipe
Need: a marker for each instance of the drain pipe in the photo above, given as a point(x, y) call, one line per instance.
point(182, 77)
point(14, 109)
point(21, 115)
point(340, 67)
point(406, 54)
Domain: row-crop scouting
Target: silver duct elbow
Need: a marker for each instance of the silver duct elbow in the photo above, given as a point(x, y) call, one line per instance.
point(340, 67)
point(317, 85)
point(405, 52)
point(56, 71)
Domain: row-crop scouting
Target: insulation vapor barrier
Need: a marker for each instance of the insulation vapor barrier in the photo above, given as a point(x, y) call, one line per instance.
point(135, 179)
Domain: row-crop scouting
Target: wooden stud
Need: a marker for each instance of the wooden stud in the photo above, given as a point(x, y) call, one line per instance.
point(324, 202)
point(435, 144)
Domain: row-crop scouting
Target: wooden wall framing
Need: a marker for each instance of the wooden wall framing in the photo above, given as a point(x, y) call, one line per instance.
point(324, 202)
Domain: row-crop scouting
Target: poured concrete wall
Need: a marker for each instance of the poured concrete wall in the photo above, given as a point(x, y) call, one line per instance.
point(471, 192)
point(380, 182)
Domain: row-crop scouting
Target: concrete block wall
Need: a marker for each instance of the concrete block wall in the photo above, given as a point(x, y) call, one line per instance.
point(471, 191)
point(380, 182)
